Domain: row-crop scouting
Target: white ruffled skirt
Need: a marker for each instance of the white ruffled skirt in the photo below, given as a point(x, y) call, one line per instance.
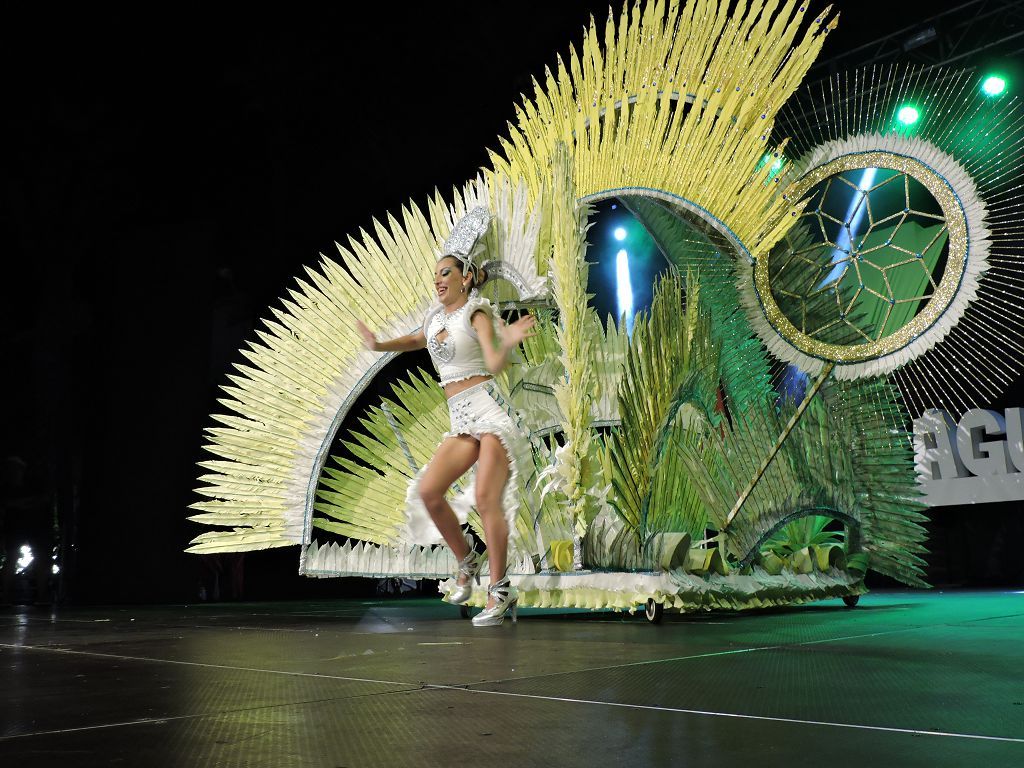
point(474, 412)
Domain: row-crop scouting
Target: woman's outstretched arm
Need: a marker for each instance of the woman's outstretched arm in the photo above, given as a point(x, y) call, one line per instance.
point(402, 344)
point(496, 357)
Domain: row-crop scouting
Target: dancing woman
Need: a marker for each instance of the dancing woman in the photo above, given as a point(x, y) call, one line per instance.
point(459, 333)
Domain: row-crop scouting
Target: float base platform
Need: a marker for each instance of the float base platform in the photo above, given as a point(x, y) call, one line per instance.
point(906, 678)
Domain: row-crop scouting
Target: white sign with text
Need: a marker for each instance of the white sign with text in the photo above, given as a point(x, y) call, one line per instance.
point(978, 460)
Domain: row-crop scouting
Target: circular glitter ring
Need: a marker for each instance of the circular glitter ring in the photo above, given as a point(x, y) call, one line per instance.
point(956, 262)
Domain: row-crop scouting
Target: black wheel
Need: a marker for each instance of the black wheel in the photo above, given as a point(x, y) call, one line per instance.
point(851, 600)
point(464, 611)
point(653, 611)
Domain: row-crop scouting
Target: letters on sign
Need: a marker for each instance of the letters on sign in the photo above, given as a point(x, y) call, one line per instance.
point(978, 460)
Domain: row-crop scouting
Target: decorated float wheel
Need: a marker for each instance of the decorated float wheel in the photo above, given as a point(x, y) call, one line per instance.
point(653, 611)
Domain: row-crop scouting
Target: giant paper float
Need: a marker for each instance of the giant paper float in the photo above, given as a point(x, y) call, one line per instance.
point(668, 468)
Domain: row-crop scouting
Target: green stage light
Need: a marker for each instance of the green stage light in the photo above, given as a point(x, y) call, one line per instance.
point(993, 85)
point(908, 114)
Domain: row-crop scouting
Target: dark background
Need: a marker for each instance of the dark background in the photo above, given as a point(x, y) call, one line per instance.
point(165, 176)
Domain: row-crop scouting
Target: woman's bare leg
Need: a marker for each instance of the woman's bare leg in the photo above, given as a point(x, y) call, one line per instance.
point(492, 473)
point(453, 458)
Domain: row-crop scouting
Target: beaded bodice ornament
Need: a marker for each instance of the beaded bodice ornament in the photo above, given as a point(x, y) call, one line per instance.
point(443, 350)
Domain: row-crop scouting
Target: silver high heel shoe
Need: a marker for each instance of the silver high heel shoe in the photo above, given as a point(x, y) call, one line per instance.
point(470, 568)
point(506, 600)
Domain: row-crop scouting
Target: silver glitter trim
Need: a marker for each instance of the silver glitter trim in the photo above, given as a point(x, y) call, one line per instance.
point(505, 271)
point(325, 445)
point(390, 416)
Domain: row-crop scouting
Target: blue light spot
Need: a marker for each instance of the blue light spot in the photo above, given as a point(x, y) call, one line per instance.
point(624, 288)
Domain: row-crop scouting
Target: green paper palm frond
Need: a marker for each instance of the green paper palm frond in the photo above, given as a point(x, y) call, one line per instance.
point(667, 390)
point(848, 458)
point(734, 451)
point(610, 350)
point(872, 417)
point(674, 504)
point(531, 384)
point(745, 375)
point(810, 531)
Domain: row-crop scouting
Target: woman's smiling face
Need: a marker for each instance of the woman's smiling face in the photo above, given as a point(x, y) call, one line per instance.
point(448, 281)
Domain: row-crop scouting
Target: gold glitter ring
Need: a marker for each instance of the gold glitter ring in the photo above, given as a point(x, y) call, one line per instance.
point(956, 261)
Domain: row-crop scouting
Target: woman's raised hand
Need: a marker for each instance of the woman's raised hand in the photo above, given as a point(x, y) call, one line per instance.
point(513, 334)
point(369, 339)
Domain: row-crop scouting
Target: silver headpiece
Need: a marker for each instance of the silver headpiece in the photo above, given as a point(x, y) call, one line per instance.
point(465, 235)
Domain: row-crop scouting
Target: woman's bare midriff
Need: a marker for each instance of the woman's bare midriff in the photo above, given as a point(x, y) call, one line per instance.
point(450, 390)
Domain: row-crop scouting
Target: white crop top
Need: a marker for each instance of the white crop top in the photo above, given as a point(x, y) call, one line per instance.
point(459, 356)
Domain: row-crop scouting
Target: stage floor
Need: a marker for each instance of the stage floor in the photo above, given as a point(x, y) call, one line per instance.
point(906, 678)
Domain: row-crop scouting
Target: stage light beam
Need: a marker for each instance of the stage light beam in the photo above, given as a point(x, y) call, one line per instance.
point(624, 288)
point(854, 215)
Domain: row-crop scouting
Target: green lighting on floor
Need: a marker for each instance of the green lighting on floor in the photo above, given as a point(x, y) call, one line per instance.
point(908, 114)
point(993, 85)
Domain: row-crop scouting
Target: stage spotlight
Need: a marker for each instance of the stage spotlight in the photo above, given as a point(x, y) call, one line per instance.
point(620, 233)
point(908, 114)
point(993, 85)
